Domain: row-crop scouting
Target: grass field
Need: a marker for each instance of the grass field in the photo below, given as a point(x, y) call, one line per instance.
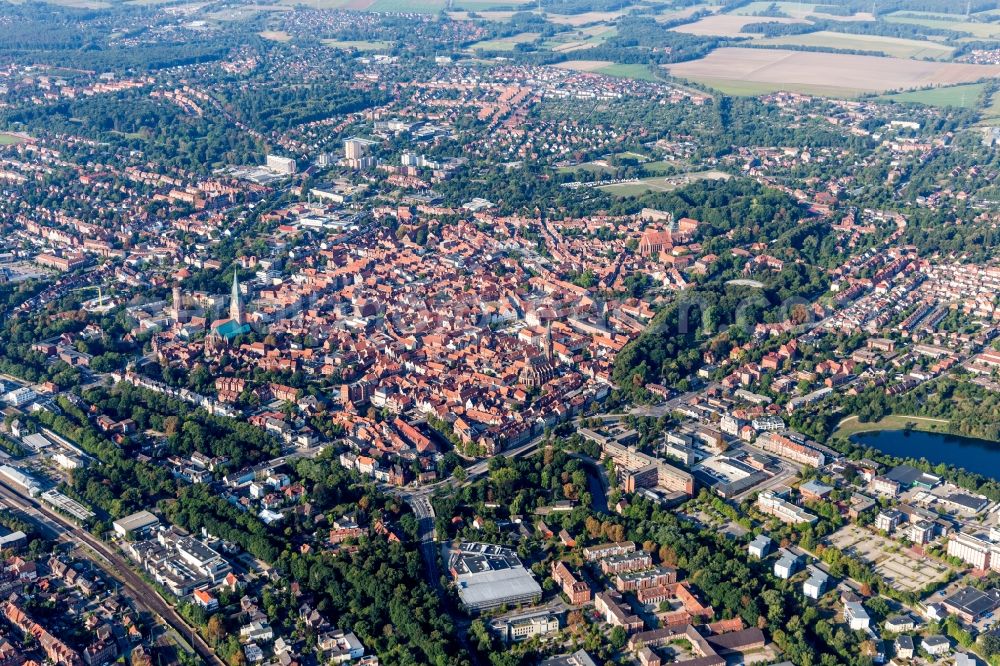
point(964, 96)
point(608, 68)
point(276, 35)
point(661, 184)
point(505, 43)
point(590, 167)
point(891, 46)
point(991, 114)
point(360, 44)
point(581, 39)
point(10, 139)
point(754, 88)
point(638, 72)
point(980, 30)
point(742, 71)
point(852, 426)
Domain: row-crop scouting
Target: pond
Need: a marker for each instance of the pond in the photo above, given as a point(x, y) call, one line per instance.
point(975, 455)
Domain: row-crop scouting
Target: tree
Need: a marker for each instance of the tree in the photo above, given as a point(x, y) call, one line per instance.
point(215, 631)
point(618, 638)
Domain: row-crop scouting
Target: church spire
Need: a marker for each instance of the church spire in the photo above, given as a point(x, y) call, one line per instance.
point(236, 302)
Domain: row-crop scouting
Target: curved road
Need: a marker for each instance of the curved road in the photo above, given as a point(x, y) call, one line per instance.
point(112, 563)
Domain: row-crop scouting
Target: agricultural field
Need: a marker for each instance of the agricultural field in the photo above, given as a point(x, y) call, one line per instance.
point(727, 25)
point(587, 18)
point(478, 5)
point(505, 43)
point(964, 96)
point(411, 6)
point(891, 46)
point(742, 71)
point(359, 44)
point(956, 23)
point(79, 4)
point(797, 10)
point(676, 14)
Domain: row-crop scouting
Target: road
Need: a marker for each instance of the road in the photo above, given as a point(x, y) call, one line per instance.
point(111, 562)
point(667, 407)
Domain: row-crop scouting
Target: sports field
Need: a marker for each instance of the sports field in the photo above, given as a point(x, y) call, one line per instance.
point(755, 71)
point(10, 139)
point(891, 46)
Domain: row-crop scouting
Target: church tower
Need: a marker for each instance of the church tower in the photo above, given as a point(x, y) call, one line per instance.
point(236, 302)
point(548, 343)
point(177, 306)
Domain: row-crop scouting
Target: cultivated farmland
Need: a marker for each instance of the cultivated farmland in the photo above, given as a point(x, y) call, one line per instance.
point(891, 46)
point(755, 71)
point(727, 25)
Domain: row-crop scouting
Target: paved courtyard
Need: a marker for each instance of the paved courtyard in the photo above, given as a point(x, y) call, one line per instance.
point(899, 566)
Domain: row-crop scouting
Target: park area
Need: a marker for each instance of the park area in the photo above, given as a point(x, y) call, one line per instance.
point(660, 183)
point(901, 567)
point(743, 71)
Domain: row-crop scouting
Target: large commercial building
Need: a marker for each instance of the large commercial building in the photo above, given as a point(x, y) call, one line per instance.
point(971, 604)
point(179, 562)
point(136, 524)
point(283, 165)
point(489, 576)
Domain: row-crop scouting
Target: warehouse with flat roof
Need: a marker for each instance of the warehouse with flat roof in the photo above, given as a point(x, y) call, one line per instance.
point(489, 576)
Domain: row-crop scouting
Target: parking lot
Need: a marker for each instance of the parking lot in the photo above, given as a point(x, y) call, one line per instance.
point(897, 565)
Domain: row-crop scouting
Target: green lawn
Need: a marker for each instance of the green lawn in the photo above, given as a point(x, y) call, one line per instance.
point(965, 96)
point(9, 139)
point(661, 184)
point(852, 426)
point(360, 45)
point(590, 167)
point(991, 114)
point(505, 43)
point(980, 30)
point(637, 71)
point(754, 88)
point(891, 46)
